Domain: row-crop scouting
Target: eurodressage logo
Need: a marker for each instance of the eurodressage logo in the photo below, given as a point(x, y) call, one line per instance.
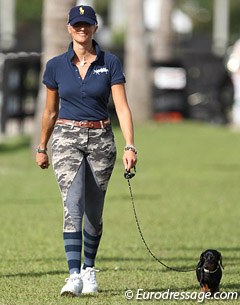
point(81, 10)
point(101, 70)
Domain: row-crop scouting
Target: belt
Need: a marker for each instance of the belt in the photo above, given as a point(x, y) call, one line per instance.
point(85, 124)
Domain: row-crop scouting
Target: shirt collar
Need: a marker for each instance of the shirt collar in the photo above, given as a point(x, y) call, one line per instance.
point(71, 52)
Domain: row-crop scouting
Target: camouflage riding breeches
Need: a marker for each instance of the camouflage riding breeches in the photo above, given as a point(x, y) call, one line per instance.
point(83, 160)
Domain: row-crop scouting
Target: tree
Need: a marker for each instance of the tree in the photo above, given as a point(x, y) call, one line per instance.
point(136, 62)
point(55, 39)
point(163, 35)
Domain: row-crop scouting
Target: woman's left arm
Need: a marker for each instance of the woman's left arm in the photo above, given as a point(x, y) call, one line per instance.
point(125, 120)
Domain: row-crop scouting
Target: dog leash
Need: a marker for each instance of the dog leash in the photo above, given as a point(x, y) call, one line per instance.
point(129, 175)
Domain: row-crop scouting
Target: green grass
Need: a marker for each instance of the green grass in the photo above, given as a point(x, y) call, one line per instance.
point(186, 193)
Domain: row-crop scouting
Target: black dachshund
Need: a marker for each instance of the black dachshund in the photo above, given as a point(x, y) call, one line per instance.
point(209, 271)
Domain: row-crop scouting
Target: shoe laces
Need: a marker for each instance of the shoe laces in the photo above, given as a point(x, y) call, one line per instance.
point(90, 272)
point(73, 277)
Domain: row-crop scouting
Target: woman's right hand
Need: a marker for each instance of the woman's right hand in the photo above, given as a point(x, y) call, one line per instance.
point(42, 160)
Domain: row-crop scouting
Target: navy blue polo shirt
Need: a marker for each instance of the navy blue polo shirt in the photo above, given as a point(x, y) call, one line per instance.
point(84, 99)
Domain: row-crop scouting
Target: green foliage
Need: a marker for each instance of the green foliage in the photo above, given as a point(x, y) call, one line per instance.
point(234, 21)
point(186, 193)
point(101, 8)
point(201, 12)
point(29, 10)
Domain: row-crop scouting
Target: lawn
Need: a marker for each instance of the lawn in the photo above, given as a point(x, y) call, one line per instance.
point(186, 193)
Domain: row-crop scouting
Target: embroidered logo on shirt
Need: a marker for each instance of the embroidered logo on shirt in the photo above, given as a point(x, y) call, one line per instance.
point(101, 70)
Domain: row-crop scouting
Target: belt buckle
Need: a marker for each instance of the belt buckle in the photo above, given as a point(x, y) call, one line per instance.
point(83, 123)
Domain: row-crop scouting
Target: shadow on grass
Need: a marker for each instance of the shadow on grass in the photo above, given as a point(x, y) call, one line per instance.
point(137, 196)
point(232, 286)
point(230, 249)
point(121, 259)
point(149, 259)
point(200, 249)
point(110, 292)
point(158, 269)
point(32, 274)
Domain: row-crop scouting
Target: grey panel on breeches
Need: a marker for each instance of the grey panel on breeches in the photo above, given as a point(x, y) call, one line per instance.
point(85, 195)
point(75, 201)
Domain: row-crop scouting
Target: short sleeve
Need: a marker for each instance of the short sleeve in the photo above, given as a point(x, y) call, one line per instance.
point(49, 78)
point(117, 74)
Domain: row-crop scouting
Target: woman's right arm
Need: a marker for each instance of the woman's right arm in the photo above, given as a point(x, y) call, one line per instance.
point(50, 115)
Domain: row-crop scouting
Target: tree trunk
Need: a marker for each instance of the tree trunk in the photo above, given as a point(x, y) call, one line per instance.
point(162, 49)
point(55, 40)
point(136, 63)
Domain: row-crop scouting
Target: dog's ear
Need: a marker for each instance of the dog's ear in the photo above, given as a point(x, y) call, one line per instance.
point(201, 260)
point(201, 257)
point(220, 260)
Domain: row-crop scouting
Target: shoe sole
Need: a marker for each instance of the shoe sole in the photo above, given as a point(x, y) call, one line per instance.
point(69, 294)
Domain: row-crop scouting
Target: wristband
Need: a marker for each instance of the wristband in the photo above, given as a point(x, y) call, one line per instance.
point(41, 151)
point(130, 147)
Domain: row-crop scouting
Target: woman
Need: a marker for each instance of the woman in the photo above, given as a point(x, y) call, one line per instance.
point(78, 85)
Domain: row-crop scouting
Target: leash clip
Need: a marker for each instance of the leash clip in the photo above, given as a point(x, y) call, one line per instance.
point(128, 174)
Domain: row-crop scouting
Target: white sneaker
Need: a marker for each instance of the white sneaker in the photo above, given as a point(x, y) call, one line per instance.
point(73, 286)
point(88, 276)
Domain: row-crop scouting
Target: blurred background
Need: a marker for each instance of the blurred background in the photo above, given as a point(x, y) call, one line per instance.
point(181, 57)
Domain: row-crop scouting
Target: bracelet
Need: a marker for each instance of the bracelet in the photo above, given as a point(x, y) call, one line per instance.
point(41, 151)
point(130, 147)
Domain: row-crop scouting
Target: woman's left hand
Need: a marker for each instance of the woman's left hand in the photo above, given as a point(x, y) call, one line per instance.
point(42, 160)
point(129, 159)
